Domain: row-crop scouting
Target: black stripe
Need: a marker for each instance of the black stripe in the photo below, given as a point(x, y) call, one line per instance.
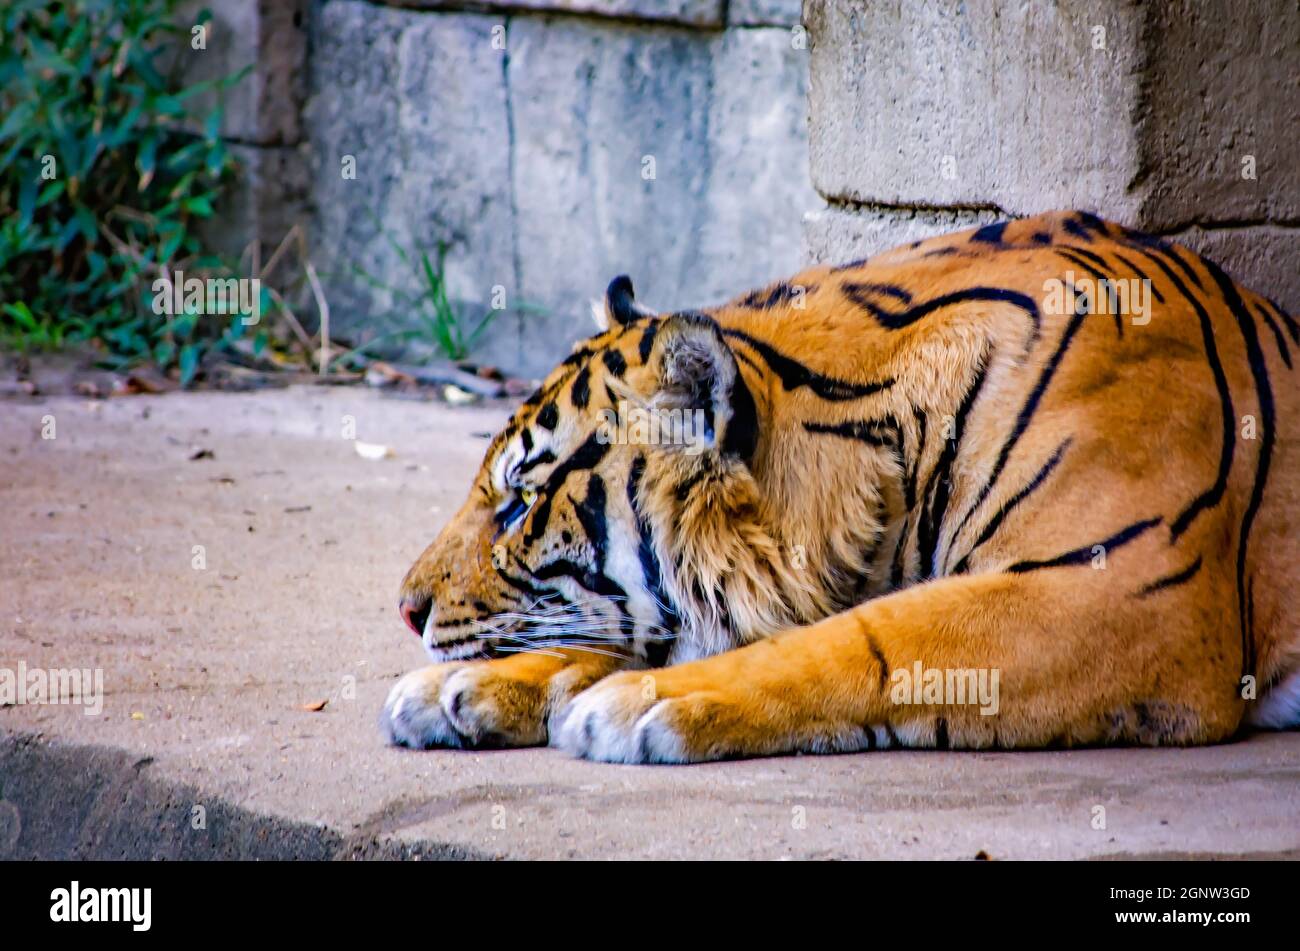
point(1090, 221)
point(594, 581)
point(1169, 581)
point(741, 438)
point(896, 566)
point(941, 741)
point(1292, 327)
point(1277, 332)
point(872, 432)
point(1076, 229)
point(888, 290)
point(1097, 260)
point(909, 481)
point(1011, 503)
point(1025, 416)
point(1160, 298)
point(990, 234)
point(1081, 556)
point(590, 513)
point(541, 459)
point(794, 374)
point(648, 340)
point(1070, 253)
point(522, 584)
point(687, 485)
point(1264, 393)
point(1172, 251)
point(874, 647)
point(938, 486)
point(651, 570)
point(851, 265)
point(614, 362)
point(770, 297)
point(581, 392)
point(548, 416)
point(860, 294)
point(1211, 496)
point(584, 457)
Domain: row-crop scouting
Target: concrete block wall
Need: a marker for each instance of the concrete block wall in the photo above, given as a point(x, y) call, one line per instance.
point(1179, 117)
point(261, 114)
point(553, 144)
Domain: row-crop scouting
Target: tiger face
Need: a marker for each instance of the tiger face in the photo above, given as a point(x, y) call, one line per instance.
point(559, 542)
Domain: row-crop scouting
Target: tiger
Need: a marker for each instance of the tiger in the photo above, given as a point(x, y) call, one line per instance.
point(967, 461)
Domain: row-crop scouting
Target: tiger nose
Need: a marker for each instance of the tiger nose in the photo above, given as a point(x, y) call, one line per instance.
point(415, 612)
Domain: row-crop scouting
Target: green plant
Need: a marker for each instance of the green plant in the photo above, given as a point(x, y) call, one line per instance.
point(104, 176)
point(437, 320)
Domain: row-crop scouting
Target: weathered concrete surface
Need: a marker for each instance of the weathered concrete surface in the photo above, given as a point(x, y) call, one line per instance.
point(948, 104)
point(837, 234)
point(699, 13)
point(1176, 119)
point(410, 148)
point(266, 37)
point(764, 12)
point(1220, 129)
point(551, 153)
point(206, 673)
point(676, 161)
point(261, 113)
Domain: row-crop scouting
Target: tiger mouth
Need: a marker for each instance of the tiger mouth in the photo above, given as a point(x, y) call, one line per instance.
point(479, 644)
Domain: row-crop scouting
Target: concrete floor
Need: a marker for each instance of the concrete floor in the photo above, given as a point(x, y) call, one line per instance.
point(207, 673)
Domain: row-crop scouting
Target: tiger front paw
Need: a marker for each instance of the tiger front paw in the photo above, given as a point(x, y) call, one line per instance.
point(625, 719)
point(466, 705)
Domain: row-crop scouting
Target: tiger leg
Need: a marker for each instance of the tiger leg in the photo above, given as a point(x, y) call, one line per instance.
point(489, 703)
point(1066, 659)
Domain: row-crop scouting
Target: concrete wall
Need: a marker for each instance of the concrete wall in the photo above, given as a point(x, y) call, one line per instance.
point(551, 144)
point(1180, 118)
point(554, 151)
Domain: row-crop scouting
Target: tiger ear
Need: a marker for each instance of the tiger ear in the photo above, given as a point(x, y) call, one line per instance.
point(697, 370)
point(621, 307)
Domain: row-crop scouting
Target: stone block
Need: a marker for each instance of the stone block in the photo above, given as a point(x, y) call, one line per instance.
point(763, 12)
point(1262, 257)
point(678, 160)
point(838, 235)
point(266, 37)
point(415, 105)
point(1220, 130)
point(697, 13)
point(974, 104)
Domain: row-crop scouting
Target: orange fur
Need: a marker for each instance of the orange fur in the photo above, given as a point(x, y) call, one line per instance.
point(939, 466)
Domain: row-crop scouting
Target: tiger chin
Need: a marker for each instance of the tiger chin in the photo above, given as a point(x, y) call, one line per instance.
point(1031, 485)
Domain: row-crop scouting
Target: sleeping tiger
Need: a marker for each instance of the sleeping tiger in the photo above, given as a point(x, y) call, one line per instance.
point(963, 495)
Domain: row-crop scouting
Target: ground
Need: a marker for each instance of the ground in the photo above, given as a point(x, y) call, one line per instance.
point(207, 745)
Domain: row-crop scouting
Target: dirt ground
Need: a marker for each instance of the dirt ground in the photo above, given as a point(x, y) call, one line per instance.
point(206, 744)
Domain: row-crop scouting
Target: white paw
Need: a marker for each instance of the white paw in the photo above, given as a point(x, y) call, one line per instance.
point(615, 723)
point(414, 714)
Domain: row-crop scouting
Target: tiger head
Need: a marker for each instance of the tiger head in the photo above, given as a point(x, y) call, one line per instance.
point(616, 509)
